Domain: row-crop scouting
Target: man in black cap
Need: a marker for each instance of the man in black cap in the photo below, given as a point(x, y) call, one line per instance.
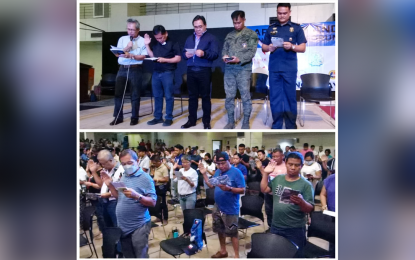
point(226, 213)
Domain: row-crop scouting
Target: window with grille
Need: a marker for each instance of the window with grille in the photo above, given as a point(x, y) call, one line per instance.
point(176, 8)
point(98, 10)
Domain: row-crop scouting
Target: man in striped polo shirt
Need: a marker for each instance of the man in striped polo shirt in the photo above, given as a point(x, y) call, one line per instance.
point(132, 212)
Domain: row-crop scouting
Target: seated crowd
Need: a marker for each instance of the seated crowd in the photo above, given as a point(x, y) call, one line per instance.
point(149, 173)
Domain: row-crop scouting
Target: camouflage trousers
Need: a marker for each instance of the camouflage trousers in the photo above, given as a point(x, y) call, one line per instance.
point(237, 79)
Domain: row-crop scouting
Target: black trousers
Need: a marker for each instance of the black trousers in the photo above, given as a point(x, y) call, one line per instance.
point(199, 84)
point(163, 204)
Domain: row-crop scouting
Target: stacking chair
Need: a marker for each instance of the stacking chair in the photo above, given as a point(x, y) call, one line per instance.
point(251, 206)
point(260, 92)
point(174, 246)
point(319, 187)
point(254, 188)
point(315, 87)
point(110, 238)
point(324, 227)
point(156, 212)
point(88, 214)
point(267, 245)
point(207, 202)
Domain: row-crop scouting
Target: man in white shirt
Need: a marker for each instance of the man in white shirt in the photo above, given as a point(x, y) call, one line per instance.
point(131, 68)
point(143, 160)
point(202, 152)
point(250, 153)
point(313, 147)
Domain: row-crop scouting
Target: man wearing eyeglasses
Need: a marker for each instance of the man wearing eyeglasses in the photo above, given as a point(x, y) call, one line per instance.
point(226, 212)
point(200, 50)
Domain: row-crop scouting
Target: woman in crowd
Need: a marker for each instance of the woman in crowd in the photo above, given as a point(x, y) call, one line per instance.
point(187, 184)
point(311, 169)
point(209, 166)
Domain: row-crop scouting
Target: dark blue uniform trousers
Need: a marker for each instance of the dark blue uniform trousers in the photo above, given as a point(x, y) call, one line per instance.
point(282, 91)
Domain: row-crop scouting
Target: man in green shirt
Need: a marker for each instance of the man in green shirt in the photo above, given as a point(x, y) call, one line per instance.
point(238, 50)
point(289, 210)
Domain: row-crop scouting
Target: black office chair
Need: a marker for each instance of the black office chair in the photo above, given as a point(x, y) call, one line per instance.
point(324, 227)
point(315, 87)
point(88, 214)
point(251, 206)
point(267, 245)
point(107, 82)
point(183, 95)
point(260, 91)
point(206, 202)
point(254, 188)
point(174, 246)
point(156, 212)
point(146, 91)
point(110, 238)
point(319, 187)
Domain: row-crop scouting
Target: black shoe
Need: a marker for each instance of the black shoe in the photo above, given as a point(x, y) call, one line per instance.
point(188, 124)
point(168, 122)
point(119, 121)
point(155, 121)
point(134, 121)
point(207, 126)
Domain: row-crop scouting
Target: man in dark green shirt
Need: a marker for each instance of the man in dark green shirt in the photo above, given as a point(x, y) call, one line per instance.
point(289, 210)
point(238, 50)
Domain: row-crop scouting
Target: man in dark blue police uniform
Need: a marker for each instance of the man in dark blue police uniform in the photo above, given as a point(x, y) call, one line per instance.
point(283, 66)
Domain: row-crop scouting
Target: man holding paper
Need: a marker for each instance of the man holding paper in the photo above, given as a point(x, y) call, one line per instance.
point(293, 199)
point(133, 202)
point(200, 50)
point(131, 68)
point(168, 54)
point(283, 39)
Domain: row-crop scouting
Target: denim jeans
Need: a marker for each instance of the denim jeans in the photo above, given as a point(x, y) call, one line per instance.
point(188, 202)
point(198, 83)
point(106, 213)
point(163, 83)
point(295, 235)
point(134, 84)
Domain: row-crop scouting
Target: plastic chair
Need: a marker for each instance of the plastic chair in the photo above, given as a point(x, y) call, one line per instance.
point(267, 245)
point(254, 188)
point(260, 91)
point(251, 206)
point(324, 227)
point(146, 90)
point(174, 246)
point(315, 87)
point(208, 201)
point(319, 187)
point(110, 238)
point(156, 212)
point(88, 214)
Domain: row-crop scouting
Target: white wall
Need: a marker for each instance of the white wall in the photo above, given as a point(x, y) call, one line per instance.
point(91, 53)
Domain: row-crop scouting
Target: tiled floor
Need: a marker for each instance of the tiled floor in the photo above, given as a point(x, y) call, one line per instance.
point(100, 117)
point(212, 238)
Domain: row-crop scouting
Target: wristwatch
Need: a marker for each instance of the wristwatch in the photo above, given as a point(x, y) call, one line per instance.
point(139, 197)
point(293, 47)
point(231, 189)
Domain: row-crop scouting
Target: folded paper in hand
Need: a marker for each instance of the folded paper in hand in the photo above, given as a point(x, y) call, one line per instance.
point(224, 180)
point(116, 50)
point(191, 51)
point(119, 185)
point(277, 42)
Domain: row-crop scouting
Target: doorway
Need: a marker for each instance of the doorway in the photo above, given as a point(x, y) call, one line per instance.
point(216, 145)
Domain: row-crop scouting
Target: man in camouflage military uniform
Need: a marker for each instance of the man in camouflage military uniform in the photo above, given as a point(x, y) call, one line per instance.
point(238, 50)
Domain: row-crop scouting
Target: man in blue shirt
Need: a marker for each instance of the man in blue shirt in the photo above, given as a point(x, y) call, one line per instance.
point(236, 159)
point(205, 49)
point(226, 214)
point(283, 66)
point(132, 208)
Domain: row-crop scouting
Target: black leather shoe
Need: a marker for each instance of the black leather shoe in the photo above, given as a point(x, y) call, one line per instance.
point(119, 121)
point(188, 124)
point(134, 121)
point(207, 126)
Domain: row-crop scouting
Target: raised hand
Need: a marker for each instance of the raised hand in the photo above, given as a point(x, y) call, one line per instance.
point(106, 178)
point(202, 168)
point(92, 166)
point(147, 39)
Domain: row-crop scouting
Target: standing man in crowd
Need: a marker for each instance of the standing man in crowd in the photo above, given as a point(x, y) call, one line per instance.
point(274, 168)
point(236, 162)
point(283, 66)
point(287, 151)
point(238, 50)
point(168, 54)
point(245, 157)
point(132, 210)
point(305, 150)
point(226, 212)
point(289, 215)
point(131, 65)
point(160, 175)
point(205, 49)
point(143, 159)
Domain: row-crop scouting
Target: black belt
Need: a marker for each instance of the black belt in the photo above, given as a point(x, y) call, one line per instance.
point(131, 66)
point(187, 195)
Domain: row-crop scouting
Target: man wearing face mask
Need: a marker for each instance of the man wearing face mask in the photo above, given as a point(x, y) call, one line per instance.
point(107, 203)
point(168, 54)
point(133, 203)
point(131, 66)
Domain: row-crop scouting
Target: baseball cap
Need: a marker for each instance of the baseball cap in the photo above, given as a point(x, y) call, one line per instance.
point(222, 156)
point(202, 148)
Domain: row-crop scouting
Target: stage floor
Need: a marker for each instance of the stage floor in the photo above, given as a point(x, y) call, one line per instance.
point(98, 115)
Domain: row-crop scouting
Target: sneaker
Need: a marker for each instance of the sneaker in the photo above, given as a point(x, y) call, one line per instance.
point(155, 121)
point(229, 126)
point(168, 122)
